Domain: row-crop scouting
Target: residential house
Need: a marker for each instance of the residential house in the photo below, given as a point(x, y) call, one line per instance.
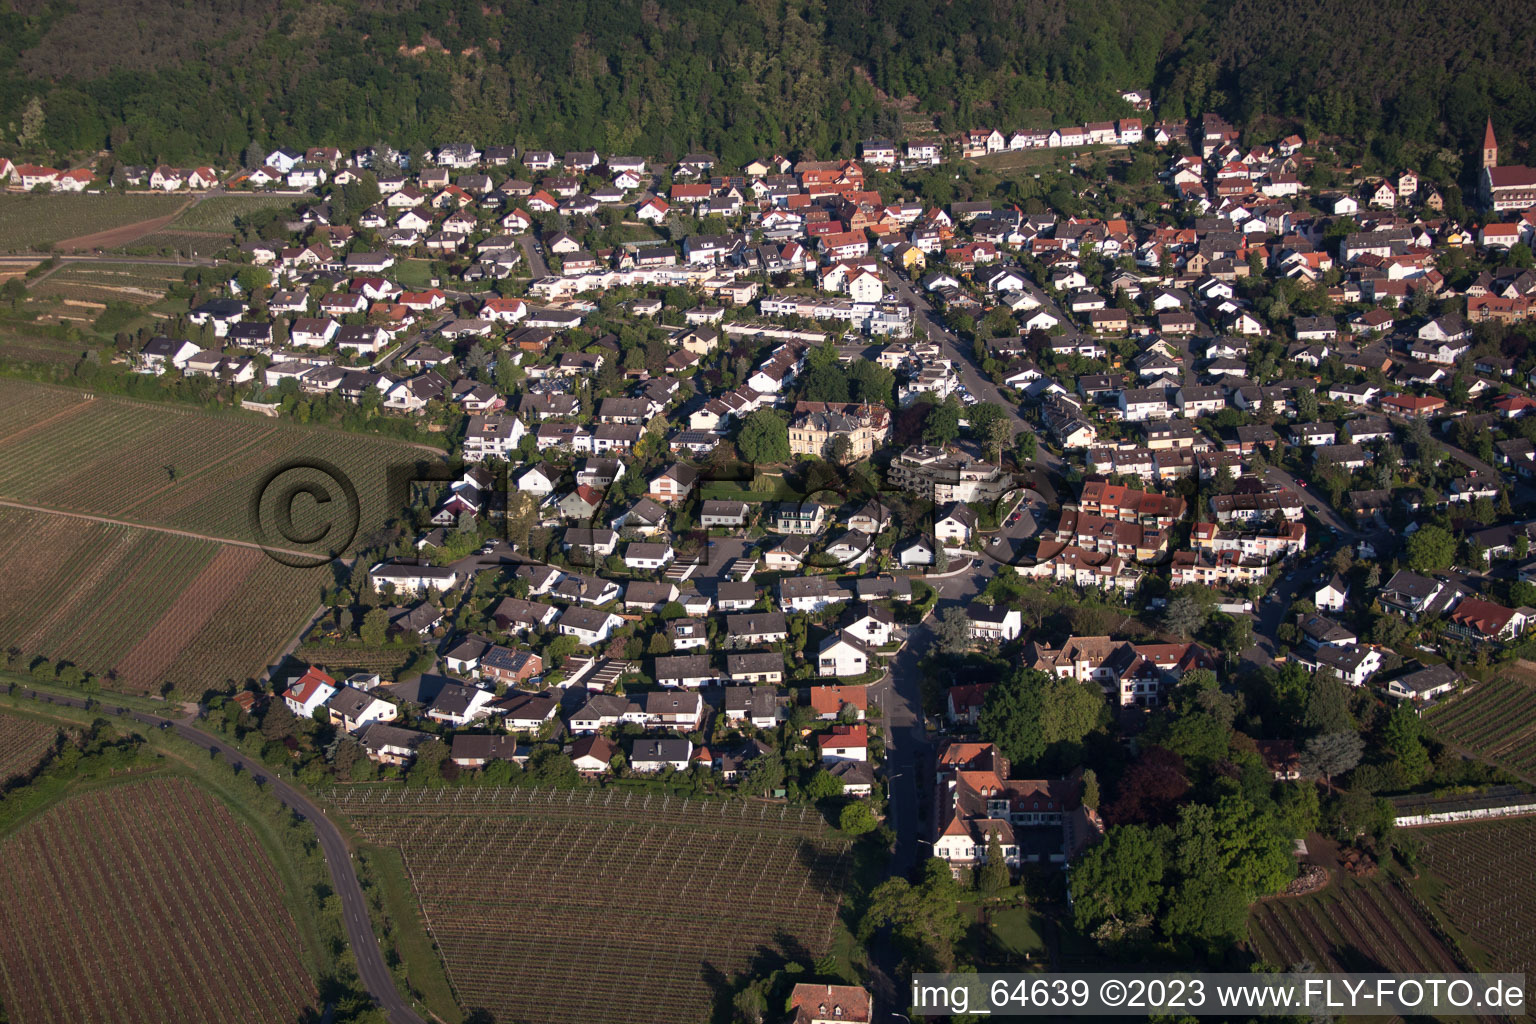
point(456, 704)
point(307, 693)
point(649, 756)
point(843, 654)
point(588, 625)
point(476, 750)
point(351, 709)
point(844, 743)
point(994, 622)
point(1480, 621)
point(679, 710)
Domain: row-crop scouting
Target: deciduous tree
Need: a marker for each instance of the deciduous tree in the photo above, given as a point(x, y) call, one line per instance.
point(857, 819)
point(1118, 881)
point(764, 438)
point(953, 629)
point(1431, 549)
point(1030, 714)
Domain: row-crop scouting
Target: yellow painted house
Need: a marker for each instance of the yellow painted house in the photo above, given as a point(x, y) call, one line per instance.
point(910, 258)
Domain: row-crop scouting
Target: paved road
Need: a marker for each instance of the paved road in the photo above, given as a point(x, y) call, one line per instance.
point(1269, 612)
point(971, 376)
point(365, 947)
point(1319, 508)
point(907, 758)
point(536, 265)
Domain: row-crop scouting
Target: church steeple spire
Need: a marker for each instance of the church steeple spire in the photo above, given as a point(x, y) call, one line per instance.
point(1490, 146)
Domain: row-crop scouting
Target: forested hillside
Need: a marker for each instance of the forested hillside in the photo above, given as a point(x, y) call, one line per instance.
point(179, 79)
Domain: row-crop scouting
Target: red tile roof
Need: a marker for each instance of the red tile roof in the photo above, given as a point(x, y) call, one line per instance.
point(829, 700)
point(844, 736)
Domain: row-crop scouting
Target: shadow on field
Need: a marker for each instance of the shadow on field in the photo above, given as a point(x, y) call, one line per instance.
point(764, 983)
point(825, 866)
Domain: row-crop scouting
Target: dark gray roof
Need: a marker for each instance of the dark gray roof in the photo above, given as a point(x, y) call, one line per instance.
point(660, 750)
point(349, 702)
point(1428, 678)
point(755, 623)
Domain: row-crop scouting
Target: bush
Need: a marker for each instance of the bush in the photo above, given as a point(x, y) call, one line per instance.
point(857, 819)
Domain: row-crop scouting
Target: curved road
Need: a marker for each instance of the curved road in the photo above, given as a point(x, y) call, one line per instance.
point(365, 946)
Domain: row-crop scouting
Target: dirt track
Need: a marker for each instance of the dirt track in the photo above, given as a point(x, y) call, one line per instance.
point(123, 235)
point(7, 503)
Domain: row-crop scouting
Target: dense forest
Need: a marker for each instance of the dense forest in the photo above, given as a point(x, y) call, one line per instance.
point(176, 80)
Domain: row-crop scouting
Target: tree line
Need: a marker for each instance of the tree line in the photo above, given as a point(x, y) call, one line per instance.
point(161, 82)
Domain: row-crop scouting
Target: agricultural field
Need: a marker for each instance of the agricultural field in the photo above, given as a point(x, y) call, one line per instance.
point(174, 466)
point(1354, 925)
point(349, 658)
point(156, 596)
point(139, 284)
point(1487, 872)
point(179, 241)
point(141, 607)
point(23, 743)
point(1038, 159)
point(1496, 719)
point(605, 906)
point(28, 221)
point(34, 347)
point(218, 213)
point(165, 906)
point(271, 604)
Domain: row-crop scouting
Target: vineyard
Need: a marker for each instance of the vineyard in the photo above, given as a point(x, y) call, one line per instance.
point(166, 909)
point(30, 346)
point(219, 213)
point(605, 906)
point(1488, 871)
point(140, 606)
point(101, 283)
point(145, 606)
point(168, 465)
point(28, 221)
point(346, 658)
point(23, 743)
point(1496, 720)
point(180, 242)
point(1353, 926)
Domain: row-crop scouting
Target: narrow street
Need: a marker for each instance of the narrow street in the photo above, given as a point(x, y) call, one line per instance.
point(1319, 508)
point(536, 265)
point(970, 373)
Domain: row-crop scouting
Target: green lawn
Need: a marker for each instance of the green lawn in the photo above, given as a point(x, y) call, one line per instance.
point(731, 490)
point(1017, 930)
point(414, 275)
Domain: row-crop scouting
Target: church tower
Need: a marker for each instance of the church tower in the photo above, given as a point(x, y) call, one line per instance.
point(1490, 147)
